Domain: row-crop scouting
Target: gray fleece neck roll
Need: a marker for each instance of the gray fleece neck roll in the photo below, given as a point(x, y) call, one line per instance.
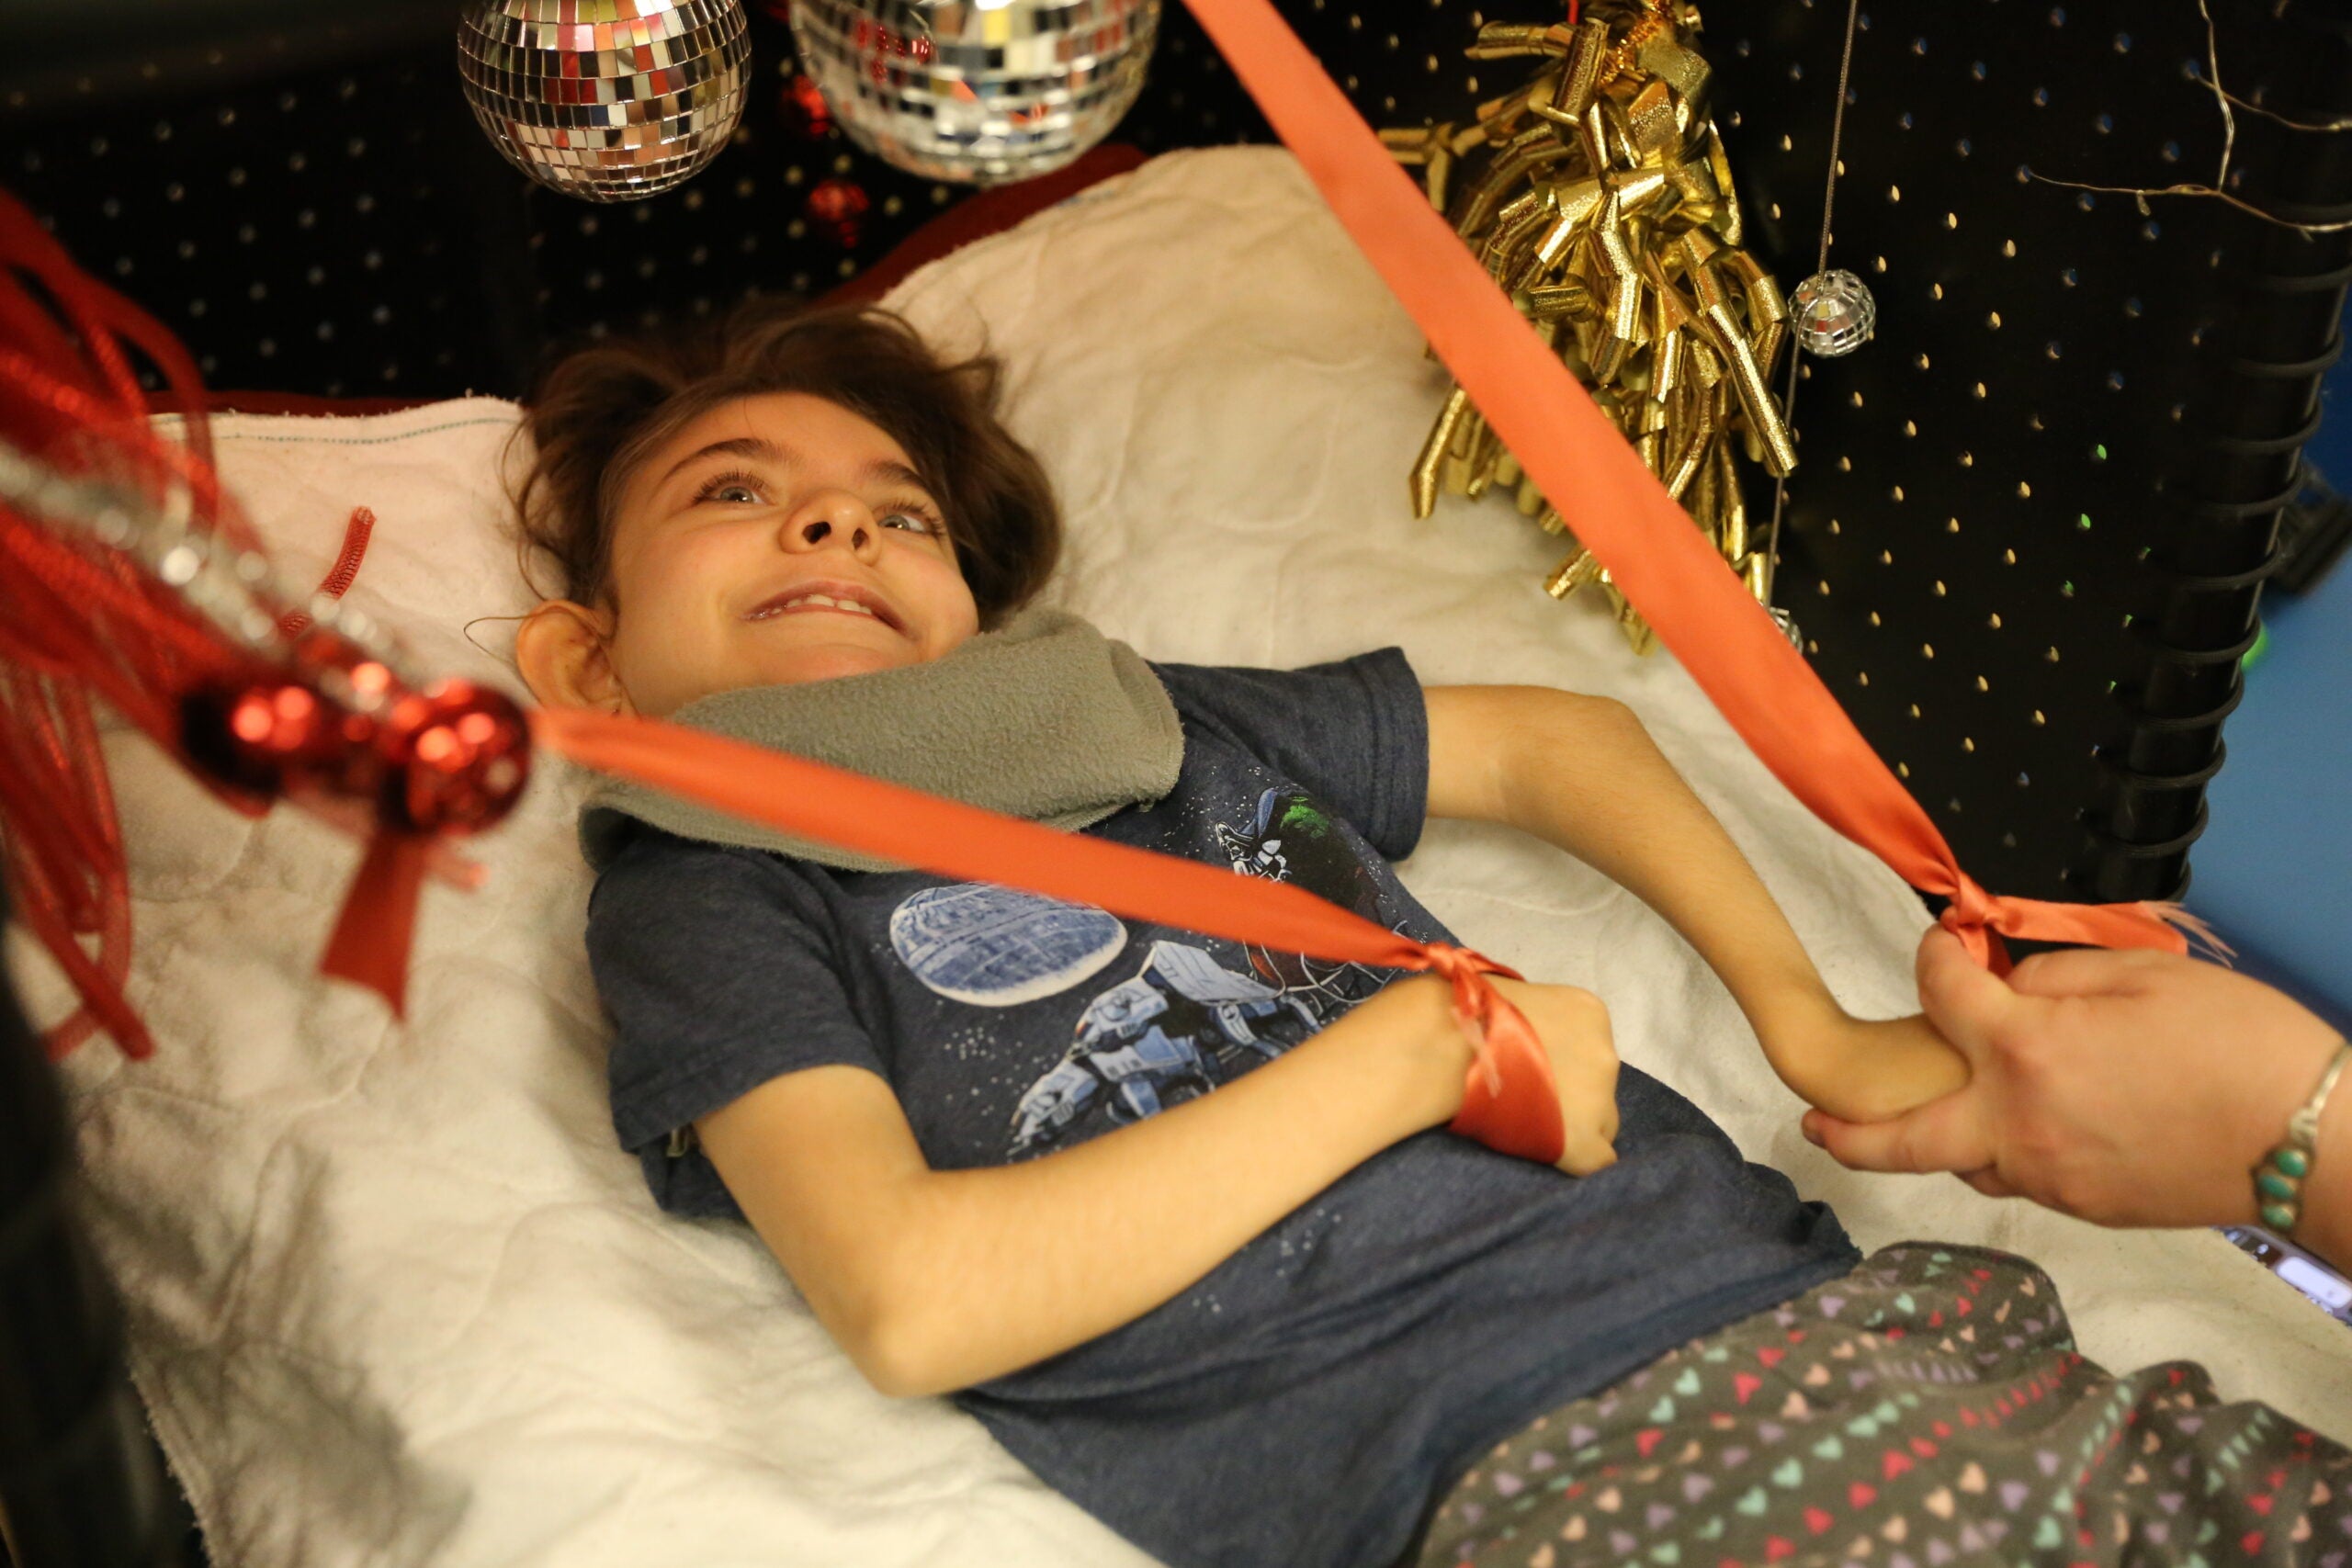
point(1044, 718)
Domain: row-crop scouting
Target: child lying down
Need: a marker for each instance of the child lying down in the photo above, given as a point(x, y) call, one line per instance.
point(1178, 1219)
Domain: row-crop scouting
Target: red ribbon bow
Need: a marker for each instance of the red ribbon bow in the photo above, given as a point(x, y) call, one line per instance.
point(1512, 1102)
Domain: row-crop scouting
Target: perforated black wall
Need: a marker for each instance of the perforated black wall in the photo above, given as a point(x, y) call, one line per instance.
point(2027, 534)
point(325, 230)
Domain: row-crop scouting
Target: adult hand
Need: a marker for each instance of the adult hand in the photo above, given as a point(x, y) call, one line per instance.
point(2128, 1087)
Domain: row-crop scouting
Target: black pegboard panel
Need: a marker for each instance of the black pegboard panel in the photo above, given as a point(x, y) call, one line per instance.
point(324, 226)
point(2031, 518)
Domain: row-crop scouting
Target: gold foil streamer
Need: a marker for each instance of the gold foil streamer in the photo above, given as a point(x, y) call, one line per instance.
point(1599, 196)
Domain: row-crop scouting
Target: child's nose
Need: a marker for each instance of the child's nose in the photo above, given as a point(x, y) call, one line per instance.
point(838, 524)
point(816, 531)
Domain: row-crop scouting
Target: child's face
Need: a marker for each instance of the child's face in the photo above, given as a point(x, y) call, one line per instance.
point(726, 531)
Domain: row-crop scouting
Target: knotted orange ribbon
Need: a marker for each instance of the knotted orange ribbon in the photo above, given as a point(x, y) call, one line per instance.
point(1509, 1100)
point(1619, 510)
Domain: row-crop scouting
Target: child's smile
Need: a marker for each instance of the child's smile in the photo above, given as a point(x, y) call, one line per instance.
point(840, 598)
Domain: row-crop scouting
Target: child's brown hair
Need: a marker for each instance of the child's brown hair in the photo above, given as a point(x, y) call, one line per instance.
point(603, 411)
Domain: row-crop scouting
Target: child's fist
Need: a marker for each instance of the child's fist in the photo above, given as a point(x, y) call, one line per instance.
point(1573, 1024)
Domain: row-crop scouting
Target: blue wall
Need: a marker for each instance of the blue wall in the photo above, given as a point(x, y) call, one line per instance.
point(2274, 870)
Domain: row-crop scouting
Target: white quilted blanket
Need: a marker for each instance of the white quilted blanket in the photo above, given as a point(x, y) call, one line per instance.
point(397, 1297)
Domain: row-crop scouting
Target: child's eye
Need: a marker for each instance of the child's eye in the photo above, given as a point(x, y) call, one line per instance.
point(909, 518)
point(740, 489)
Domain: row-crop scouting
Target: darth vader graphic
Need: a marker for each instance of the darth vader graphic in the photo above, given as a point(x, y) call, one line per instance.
point(1292, 838)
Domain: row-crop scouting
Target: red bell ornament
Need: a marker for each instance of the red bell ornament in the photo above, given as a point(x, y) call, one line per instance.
point(836, 208)
point(271, 738)
point(803, 110)
point(455, 758)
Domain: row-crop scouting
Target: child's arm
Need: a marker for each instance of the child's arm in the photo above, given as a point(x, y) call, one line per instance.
point(1582, 773)
point(933, 1280)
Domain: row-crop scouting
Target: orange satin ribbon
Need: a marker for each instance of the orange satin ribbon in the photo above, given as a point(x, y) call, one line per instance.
point(1619, 511)
point(1509, 1101)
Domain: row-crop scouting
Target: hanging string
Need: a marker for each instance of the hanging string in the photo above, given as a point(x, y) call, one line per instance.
point(1820, 264)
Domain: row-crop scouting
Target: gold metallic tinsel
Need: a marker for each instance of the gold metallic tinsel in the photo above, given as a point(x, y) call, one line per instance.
point(1599, 195)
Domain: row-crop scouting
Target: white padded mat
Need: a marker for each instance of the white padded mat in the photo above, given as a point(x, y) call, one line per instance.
point(398, 1299)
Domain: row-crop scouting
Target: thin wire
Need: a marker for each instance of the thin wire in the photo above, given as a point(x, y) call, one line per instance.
point(2143, 192)
point(1836, 130)
point(2341, 122)
point(2225, 99)
point(1821, 264)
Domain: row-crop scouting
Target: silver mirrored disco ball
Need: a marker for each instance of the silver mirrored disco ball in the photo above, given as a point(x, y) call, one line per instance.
point(608, 100)
point(974, 90)
point(1833, 313)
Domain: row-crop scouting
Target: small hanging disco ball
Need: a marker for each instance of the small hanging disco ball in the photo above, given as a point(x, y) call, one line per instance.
point(607, 100)
point(982, 91)
point(1832, 312)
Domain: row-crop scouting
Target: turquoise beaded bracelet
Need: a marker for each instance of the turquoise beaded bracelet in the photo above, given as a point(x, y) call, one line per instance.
point(2279, 1180)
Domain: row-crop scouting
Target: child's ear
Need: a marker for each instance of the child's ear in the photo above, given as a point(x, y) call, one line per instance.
point(563, 650)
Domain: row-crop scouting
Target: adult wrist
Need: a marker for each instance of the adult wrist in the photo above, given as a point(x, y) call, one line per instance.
point(2291, 1192)
point(2327, 1228)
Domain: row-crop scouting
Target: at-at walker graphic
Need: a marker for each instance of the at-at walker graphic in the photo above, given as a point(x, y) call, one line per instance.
point(1160, 1032)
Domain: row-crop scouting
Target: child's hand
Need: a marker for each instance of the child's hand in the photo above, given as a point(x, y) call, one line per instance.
point(1573, 1024)
point(1864, 1070)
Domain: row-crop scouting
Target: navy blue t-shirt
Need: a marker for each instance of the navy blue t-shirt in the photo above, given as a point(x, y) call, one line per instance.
point(1303, 1402)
